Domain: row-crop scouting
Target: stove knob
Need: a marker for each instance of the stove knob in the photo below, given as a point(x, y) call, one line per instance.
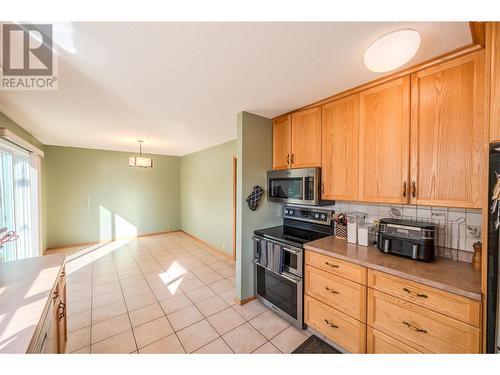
point(323, 217)
point(316, 216)
point(290, 212)
point(286, 211)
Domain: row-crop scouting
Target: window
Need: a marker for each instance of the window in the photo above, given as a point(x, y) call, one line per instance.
point(19, 199)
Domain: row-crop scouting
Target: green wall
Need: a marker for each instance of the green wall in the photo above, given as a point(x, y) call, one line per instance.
point(93, 195)
point(254, 153)
point(206, 179)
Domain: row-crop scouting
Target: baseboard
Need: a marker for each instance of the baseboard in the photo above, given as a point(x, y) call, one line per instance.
point(243, 301)
point(216, 249)
point(69, 246)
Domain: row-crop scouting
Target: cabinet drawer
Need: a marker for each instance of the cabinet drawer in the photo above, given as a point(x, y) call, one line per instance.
point(379, 343)
point(338, 327)
point(337, 267)
point(452, 305)
point(418, 327)
point(346, 296)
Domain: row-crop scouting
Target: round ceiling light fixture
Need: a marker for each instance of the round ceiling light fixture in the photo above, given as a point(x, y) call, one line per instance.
point(392, 50)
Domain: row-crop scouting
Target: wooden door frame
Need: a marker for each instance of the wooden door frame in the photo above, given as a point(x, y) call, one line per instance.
point(235, 171)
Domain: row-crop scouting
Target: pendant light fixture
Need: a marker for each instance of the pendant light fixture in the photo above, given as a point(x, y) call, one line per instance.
point(140, 161)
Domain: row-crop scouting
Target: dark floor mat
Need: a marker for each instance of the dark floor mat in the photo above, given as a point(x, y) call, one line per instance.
point(314, 345)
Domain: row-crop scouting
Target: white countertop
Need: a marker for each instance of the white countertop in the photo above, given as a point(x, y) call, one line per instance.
point(25, 288)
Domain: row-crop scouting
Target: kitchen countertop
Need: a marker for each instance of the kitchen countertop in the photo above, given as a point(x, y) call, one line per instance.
point(25, 288)
point(445, 274)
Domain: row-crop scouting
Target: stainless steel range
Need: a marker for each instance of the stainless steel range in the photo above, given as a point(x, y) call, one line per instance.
point(279, 259)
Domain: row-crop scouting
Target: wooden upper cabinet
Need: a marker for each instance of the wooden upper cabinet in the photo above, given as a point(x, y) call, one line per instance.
point(339, 160)
point(306, 138)
point(493, 46)
point(448, 133)
point(384, 140)
point(282, 132)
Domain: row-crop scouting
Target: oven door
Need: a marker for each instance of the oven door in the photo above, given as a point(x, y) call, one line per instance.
point(283, 293)
point(292, 260)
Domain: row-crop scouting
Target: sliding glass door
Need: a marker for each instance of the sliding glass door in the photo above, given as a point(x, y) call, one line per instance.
point(19, 209)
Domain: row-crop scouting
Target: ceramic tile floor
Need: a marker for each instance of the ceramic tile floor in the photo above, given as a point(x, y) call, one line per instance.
point(165, 294)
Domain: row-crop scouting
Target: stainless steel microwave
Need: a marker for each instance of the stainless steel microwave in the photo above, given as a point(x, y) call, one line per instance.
point(297, 186)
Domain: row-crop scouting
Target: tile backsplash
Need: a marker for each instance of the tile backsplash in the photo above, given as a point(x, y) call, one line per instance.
point(457, 228)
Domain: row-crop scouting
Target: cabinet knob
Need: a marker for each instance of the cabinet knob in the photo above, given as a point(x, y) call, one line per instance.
point(292, 157)
point(288, 158)
point(404, 189)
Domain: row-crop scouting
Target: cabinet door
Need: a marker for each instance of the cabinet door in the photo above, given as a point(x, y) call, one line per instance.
point(448, 133)
point(282, 132)
point(339, 160)
point(62, 335)
point(493, 41)
point(384, 140)
point(306, 138)
point(379, 343)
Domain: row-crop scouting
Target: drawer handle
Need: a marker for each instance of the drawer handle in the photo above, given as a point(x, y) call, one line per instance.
point(331, 265)
point(331, 324)
point(413, 328)
point(415, 294)
point(62, 310)
point(331, 290)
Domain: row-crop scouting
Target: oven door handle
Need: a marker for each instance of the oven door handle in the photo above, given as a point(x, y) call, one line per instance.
point(292, 251)
point(290, 278)
point(286, 276)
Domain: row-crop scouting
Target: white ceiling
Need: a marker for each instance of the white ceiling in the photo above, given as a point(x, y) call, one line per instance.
point(182, 84)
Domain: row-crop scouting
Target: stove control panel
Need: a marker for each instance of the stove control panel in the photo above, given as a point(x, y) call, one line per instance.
point(310, 215)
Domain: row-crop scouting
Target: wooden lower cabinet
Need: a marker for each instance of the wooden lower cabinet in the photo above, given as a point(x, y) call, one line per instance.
point(342, 294)
point(364, 310)
point(338, 327)
point(337, 267)
point(379, 343)
point(449, 304)
point(52, 337)
point(419, 327)
point(62, 329)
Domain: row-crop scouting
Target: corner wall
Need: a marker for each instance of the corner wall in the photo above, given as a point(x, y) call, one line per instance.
point(206, 179)
point(93, 195)
point(254, 153)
